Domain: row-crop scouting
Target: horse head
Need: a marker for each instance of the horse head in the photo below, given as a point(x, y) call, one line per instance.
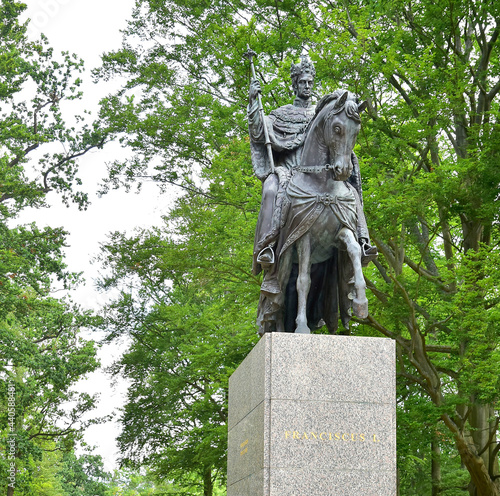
point(337, 117)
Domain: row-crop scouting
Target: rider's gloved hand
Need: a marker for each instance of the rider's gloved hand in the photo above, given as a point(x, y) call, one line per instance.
point(255, 89)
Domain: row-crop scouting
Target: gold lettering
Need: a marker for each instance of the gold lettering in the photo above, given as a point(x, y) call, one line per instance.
point(326, 436)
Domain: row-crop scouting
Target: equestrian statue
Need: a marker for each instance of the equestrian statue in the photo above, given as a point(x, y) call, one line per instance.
point(311, 238)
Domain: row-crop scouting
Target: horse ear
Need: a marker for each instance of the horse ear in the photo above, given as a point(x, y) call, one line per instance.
point(362, 106)
point(341, 101)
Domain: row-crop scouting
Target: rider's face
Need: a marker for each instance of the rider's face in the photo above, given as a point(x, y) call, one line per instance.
point(305, 86)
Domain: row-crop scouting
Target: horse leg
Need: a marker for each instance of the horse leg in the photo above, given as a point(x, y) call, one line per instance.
point(303, 283)
point(284, 270)
point(360, 302)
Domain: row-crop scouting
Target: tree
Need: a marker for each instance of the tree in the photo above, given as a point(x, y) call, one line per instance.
point(190, 326)
point(43, 357)
point(41, 349)
point(83, 475)
point(428, 148)
point(130, 483)
point(431, 140)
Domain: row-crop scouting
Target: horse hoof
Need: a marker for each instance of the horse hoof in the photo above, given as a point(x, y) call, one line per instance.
point(303, 330)
point(360, 308)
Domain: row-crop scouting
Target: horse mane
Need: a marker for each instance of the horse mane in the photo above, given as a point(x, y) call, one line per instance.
point(351, 106)
point(326, 100)
point(320, 106)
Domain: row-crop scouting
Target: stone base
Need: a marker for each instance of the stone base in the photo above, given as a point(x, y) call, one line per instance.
point(313, 415)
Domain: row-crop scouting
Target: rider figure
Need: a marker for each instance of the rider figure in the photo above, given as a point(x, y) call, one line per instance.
point(287, 128)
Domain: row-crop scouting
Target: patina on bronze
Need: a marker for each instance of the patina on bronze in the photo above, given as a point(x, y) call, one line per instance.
point(311, 237)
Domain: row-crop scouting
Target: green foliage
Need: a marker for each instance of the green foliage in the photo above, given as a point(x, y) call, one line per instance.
point(129, 483)
point(42, 358)
point(429, 151)
point(83, 475)
point(42, 354)
point(37, 127)
point(45, 480)
point(190, 314)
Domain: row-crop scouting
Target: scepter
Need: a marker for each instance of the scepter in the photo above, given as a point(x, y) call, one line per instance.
point(250, 54)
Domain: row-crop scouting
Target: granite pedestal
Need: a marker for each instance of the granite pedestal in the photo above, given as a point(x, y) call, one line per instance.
point(313, 415)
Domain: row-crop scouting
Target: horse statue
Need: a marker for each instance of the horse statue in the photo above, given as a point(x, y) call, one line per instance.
point(318, 252)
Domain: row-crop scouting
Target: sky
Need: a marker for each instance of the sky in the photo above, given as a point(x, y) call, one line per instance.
point(90, 28)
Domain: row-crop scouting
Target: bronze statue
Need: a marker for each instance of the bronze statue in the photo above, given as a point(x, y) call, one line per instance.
point(311, 237)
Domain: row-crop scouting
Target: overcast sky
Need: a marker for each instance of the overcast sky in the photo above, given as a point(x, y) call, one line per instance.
point(90, 28)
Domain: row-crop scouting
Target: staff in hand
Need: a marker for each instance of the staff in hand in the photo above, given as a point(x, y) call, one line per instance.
point(250, 54)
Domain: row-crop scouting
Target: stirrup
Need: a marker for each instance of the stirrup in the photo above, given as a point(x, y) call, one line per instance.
point(368, 254)
point(266, 257)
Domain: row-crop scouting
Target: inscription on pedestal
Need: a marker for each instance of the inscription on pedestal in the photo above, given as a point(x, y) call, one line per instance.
point(244, 447)
point(329, 436)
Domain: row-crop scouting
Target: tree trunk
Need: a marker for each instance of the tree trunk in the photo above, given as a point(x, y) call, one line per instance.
point(436, 467)
point(483, 434)
point(481, 483)
point(478, 447)
point(208, 485)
